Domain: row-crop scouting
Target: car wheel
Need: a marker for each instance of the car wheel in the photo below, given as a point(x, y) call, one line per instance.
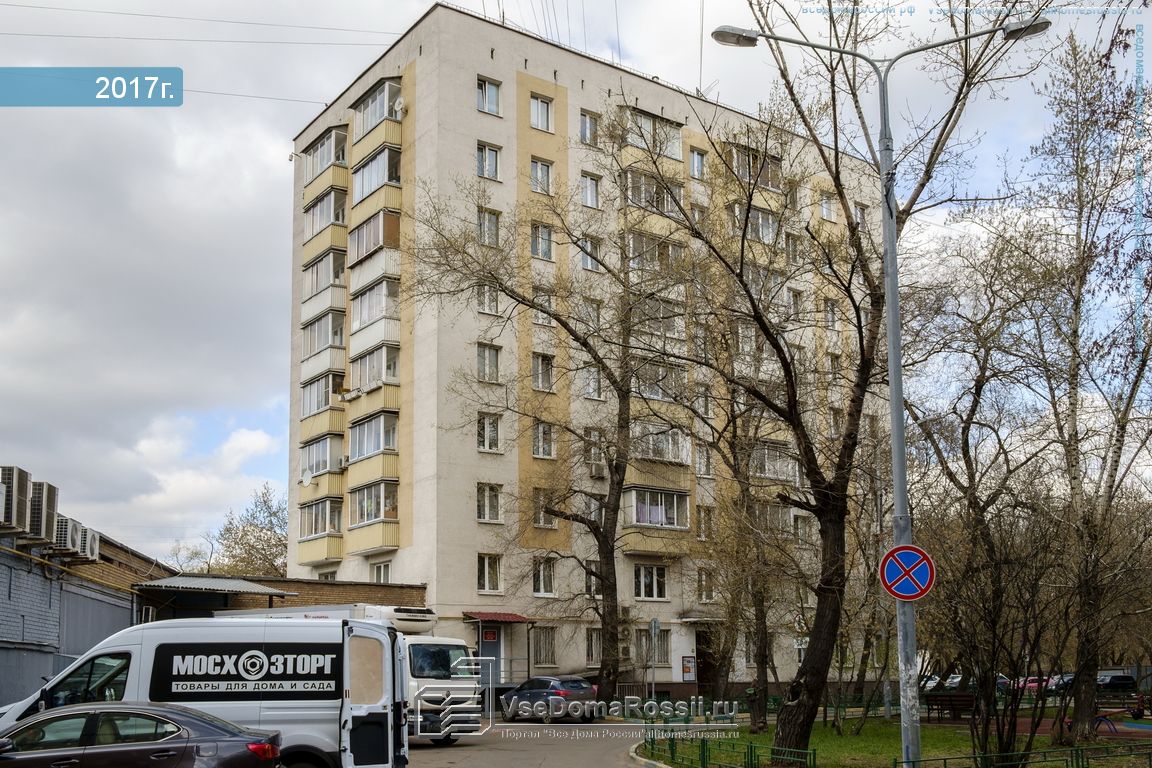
point(444, 741)
point(547, 718)
point(508, 713)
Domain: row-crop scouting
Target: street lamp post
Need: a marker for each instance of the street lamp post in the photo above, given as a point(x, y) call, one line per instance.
point(901, 522)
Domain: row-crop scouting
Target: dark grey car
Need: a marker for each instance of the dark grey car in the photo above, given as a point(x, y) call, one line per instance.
point(550, 697)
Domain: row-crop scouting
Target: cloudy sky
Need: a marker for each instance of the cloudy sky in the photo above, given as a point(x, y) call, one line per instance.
point(144, 263)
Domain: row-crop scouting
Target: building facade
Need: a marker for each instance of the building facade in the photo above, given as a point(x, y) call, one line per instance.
point(399, 472)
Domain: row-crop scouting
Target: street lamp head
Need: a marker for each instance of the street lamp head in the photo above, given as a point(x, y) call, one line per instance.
point(737, 36)
point(1018, 30)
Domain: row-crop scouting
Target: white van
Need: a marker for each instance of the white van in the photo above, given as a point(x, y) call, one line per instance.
point(443, 680)
point(334, 689)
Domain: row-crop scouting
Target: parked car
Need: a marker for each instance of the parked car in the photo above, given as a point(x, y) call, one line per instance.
point(953, 682)
point(548, 698)
point(1060, 683)
point(1116, 684)
point(135, 735)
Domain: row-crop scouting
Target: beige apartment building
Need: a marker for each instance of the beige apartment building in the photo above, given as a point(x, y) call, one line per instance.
point(397, 477)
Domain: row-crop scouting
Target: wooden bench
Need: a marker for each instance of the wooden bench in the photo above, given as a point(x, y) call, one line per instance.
point(956, 704)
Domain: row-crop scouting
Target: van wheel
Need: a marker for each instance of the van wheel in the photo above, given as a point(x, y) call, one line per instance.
point(444, 741)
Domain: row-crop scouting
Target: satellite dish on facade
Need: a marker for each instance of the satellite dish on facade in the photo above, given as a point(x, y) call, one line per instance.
point(306, 478)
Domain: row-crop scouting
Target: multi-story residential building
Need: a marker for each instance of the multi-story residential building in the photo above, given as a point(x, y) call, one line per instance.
point(397, 474)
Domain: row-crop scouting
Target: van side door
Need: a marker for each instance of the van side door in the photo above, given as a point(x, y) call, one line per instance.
point(368, 722)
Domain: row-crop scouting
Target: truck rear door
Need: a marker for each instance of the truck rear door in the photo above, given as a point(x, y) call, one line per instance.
point(368, 712)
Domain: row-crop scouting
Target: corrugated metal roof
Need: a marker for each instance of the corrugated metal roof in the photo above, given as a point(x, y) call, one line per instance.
point(502, 618)
point(212, 584)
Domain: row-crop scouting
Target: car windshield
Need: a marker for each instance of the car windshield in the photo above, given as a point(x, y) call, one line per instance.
point(576, 685)
point(436, 660)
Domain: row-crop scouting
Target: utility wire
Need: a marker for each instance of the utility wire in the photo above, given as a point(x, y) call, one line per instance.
point(193, 18)
point(253, 96)
point(185, 39)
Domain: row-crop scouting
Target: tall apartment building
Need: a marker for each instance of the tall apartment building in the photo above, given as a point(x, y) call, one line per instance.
point(396, 476)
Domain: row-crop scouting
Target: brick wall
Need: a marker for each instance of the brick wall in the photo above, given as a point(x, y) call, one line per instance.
point(313, 592)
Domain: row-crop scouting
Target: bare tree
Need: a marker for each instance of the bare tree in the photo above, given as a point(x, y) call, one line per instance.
point(253, 542)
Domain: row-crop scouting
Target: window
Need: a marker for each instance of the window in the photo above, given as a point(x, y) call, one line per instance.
point(703, 460)
point(648, 191)
point(329, 209)
point(326, 576)
point(588, 312)
point(831, 315)
point(705, 586)
point(796, 302)
point(834, 365)
point(317, 394)
point(696, 163)
point(315, 456)
point(760, 225)
point(488, 573)
point(541, 503)
point(488, 502)
point(128, 728)
point(543, 301)
point(860, 212)
point(541, 180)
point(650, 582)
point(835, 423)
point(705, 520)
point(542, 242)
point(541, 112)
point(590, 190)
point(792, 248)
point(593, 586)
point(805, 529)
point(488, 363)
point(754, 167)
point(543, 577)
point(544, 646)
point(487, 96)
point(543, 440)
point(374, 502)
point(593, 382)
point(325, 271)
point(801, 644)
point(589, 128)
point(772, 460)
point(327, 151)
point(487, 161)
point(101, 679)
point(704, 402)
point(828, 206)
point(488, 227)
point(543, 369)
point(487, 299)
point(382, 168)
point(380, 365)
point(666, 509)
point(593, 445)
point(488, 432)
point(378, 301)
point(320, 518)
point(593, 639)
point(649, 253)
point(372, 436)
point(661, 321)
point(57, 733)
point(372, 109)
point(590, 254)
point(655, 381)
point(655, 134)
point(382, 573)
point(382, 230)
point(660, 442)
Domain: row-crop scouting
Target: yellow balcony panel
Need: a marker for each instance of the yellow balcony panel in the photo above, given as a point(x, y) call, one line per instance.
point(325, 485)
point(332, 236)
point(332, 297)
point(386, 132)
point(376, 536)
point(320, 549)
point(332, 176)
point(388, 196)
point(327, 359)
point(381, 465)
point(655, 474)
point(331, 420)
point(386, 398)
point(655, 542)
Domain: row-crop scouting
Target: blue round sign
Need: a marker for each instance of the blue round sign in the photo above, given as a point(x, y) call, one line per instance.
point(907, 573)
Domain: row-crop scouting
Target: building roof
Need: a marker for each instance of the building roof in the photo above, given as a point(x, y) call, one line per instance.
point(212, 584)
point(496, 617)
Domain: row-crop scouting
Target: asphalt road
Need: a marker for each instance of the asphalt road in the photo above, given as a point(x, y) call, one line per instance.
point(513, 745)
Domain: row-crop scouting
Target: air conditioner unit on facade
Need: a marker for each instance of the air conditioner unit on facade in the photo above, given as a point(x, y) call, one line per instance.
point(343, 462)
point(351, 394)
point(90, 546)
point(42, 516)
point(17, 500)
point(597, 470)
point(83, 545)
point(67, 539)
point(373, 385)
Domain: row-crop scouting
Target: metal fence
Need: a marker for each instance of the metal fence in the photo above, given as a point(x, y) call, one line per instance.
point(1138, 755)
point(688, 752)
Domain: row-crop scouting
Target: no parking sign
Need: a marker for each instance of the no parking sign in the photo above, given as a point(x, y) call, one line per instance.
point(907, 572)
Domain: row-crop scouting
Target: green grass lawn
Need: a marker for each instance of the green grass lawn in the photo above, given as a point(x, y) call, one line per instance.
point(878, 743)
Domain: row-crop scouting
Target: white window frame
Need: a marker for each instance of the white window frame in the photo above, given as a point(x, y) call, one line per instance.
point(382, 572)
point(488, 432)
point(316, 395)
point(589, 248)
point(487, 95)
point(381, 364)
point(487, 299)
point(383, 168)
point(593, 382)
point(325, 331)
point(316, 456)
point(540, 179)
point(330, 149)
point(827, 206)
point(660, 654)
point(372, 110)
point(488, 573)
point(488, 227)
point(544, 577)
point(589, 128)
point(320, 518)
point(705, 585)
point(655, 134)
point(662, 509)
point(323, 273)
point(593, 585)
point(327, 210)
point(696, 158)
point(541, 518)
point(593, 646)
point(540, 317)
point(489, 502)
point(371, 503)
point(650, 582)
point(367, 238)
point(543, 440)
point(372, 436)
point(376, 302)
point(540, 112)
point(541, 241)
point(657, 441)
point(703, 460)
point(487, 161)
point(543, 372)
point(487, 363)
point(590, 190)
point(543, 646)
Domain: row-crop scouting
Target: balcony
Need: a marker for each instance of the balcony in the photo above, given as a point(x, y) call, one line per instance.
point(386, 330)
point(332, 236)
point(320, 549)
point(327, 359)
point(654, 474)
point(377, 536)
point(655, 542)
point(333, 176)
point(329, 484)
point(386, 132)
point(386, 398)
point(388, 196)
point(381, 465)
point(332, 297)
point(329, 421)
point(385, 261)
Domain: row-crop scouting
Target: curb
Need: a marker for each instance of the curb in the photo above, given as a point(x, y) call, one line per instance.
point(634, 756)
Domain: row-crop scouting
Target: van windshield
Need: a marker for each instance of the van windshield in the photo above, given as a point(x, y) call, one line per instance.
point(437, 660)
point(101, 679)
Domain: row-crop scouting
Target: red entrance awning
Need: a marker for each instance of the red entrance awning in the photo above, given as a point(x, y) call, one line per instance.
point(497, 618)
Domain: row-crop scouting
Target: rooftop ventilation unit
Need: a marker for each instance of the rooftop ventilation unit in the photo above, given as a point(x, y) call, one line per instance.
point(17, 500)
point(89, 549)
point(42, 517)
point(67, 540)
